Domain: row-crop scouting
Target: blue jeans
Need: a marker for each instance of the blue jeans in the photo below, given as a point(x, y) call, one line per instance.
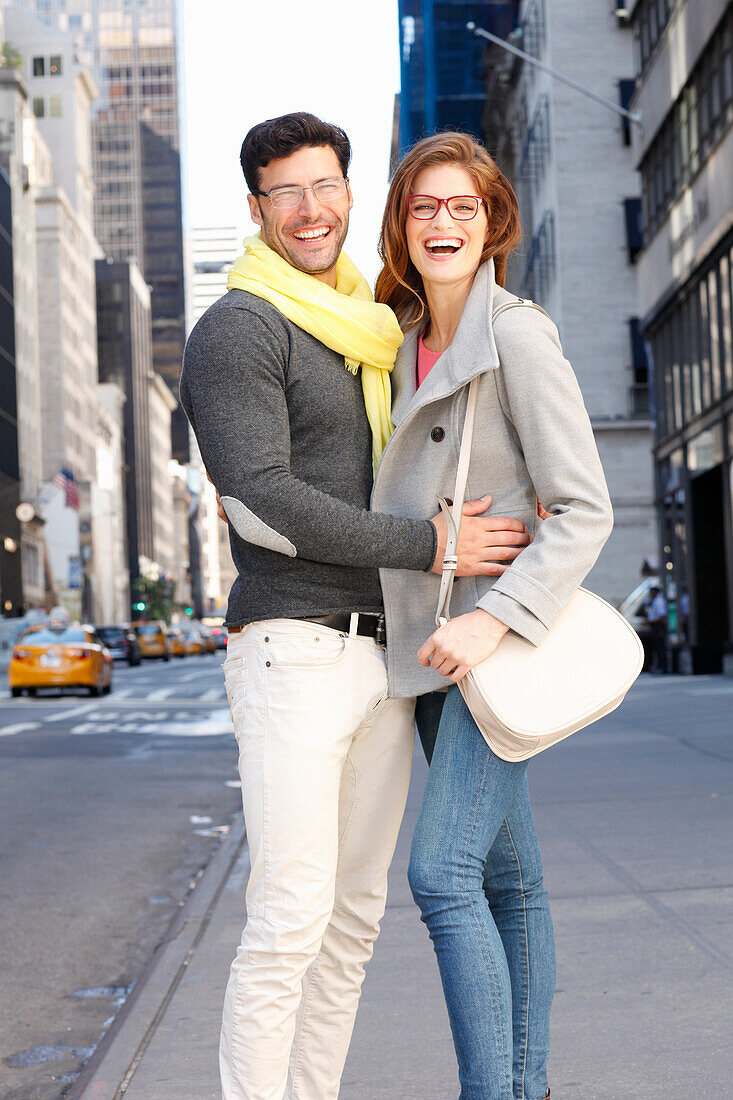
point(488, 915)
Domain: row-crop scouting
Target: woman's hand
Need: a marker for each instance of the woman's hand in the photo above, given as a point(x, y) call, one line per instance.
point(460, 645)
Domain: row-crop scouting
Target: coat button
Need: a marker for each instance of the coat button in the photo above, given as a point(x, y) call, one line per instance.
point(437, 435)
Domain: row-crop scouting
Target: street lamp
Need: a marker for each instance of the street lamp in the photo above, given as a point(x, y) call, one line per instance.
point(479, 32)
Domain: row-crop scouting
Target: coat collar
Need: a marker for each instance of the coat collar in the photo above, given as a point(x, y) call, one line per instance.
point(472, 352)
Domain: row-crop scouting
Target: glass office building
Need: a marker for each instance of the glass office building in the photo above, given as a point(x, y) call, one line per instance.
point(442, 64)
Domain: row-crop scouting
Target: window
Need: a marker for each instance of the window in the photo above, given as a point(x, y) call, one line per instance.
point(39, 107)
point(54, 67)
point(701, 115)
point(634, 232)
point(39, 66)
point(54, 106)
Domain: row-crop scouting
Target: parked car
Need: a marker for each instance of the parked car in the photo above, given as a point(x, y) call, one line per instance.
point(176, 642)
point(60, 656)
point(219, 634)
point(193, 641)
point(153, 638)
point(634, 609)
point(207, 638)
point(122, 643)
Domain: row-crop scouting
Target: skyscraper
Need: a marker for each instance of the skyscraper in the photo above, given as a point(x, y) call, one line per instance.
point(132, 49)
point(442, 68)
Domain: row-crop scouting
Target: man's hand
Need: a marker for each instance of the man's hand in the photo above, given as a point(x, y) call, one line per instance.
point(462, 643)
point(487, 545)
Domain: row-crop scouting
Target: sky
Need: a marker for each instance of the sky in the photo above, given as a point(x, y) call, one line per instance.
point(246, 61)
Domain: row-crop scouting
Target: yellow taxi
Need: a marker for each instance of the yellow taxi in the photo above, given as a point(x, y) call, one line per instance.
point(176, 642)
point(60, 656)
point(153, 638)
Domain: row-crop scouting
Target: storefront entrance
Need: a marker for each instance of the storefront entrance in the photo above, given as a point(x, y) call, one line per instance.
point(710, 626)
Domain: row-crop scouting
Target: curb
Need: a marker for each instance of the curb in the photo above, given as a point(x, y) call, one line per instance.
point(110, 1070)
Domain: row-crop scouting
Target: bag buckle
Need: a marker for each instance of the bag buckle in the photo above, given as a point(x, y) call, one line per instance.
point(380, 634)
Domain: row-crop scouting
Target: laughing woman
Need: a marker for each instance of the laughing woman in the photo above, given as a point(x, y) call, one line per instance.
point(475, 871)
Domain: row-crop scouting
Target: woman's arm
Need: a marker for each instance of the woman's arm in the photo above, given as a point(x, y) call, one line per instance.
point(540, 395)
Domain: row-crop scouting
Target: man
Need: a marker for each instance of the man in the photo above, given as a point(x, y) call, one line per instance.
point(285, 382)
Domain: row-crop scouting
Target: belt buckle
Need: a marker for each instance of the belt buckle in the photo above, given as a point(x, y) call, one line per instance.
point(380, 634)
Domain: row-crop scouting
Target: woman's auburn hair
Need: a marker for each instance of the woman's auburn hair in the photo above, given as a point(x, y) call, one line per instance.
point(399, 284)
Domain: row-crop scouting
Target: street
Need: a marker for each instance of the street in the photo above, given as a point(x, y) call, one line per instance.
point(109, 808)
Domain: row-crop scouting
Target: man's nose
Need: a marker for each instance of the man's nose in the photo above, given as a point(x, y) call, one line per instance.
point(310, 206)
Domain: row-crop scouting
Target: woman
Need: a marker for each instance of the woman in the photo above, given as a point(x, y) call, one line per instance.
point(475, 871)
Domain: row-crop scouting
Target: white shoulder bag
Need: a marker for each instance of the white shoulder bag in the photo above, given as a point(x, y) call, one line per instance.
point(525, 698)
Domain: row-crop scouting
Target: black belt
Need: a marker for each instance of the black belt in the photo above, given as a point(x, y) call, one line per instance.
point(368, 626)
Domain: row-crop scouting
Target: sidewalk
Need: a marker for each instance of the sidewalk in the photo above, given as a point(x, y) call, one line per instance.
point(635, 820)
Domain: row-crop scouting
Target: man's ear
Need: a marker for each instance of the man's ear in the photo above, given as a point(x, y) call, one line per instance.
point(351, 197)
point(254, 209)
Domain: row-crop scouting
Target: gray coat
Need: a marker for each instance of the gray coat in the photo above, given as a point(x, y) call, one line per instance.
point(532, 439)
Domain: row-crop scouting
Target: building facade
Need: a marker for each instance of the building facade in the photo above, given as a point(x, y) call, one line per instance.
point(572, 166)
point(27, 162)
point(161, 403)
point(442, 67)
point(125, 359)
point(684, 89)
point(11, 581)
point(133, 51)
point(213, 250)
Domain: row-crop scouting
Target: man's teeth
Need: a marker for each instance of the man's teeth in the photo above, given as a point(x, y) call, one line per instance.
point(311, 234)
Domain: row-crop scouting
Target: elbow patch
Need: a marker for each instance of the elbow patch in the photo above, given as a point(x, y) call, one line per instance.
point(252, 529)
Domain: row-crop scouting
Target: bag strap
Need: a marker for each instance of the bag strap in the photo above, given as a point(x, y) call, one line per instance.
point(453, 514)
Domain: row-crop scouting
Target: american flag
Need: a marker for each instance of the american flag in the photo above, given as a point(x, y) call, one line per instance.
point(65, 480)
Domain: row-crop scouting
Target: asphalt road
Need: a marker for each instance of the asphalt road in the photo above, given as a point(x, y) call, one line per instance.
point(109, 809)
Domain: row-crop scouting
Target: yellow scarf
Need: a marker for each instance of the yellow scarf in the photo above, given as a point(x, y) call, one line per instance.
point(346, 319)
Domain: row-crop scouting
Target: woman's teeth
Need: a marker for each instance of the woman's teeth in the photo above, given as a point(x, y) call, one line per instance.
point(311, 234)
point(445, 247)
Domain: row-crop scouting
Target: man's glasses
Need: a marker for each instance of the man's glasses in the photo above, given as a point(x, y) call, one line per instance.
point(461, 207)
point(284, 198)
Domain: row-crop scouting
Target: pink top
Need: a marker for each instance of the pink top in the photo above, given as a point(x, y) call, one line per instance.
point(426, 360)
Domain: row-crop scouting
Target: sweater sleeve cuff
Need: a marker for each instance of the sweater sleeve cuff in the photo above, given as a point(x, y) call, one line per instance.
point(433, 546)
point(514, 615)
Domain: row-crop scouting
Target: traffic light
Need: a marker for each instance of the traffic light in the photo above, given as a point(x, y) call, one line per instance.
point(189, 611)
point(140, 606)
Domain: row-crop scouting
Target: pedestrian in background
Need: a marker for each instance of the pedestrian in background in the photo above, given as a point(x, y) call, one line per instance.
point(656, 616)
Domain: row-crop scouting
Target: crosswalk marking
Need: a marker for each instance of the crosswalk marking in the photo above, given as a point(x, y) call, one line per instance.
point(161, 693)
point(19, 727)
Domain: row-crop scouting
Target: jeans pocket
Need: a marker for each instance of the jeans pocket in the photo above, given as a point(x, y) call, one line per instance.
point(235, 683)
point(317, 649)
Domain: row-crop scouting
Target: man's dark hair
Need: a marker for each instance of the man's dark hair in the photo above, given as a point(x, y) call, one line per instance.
point(279, 137)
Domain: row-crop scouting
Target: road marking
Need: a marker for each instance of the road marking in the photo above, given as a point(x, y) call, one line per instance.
point(19, 727)
point(70, 713)
point(122, 693)
point(161, 693)
point(186, 724)
point(211, 694)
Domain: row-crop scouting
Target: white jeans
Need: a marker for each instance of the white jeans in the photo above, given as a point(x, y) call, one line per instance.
point(325, 762)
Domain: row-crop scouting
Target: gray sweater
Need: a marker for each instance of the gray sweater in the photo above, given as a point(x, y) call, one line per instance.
point(283, 432)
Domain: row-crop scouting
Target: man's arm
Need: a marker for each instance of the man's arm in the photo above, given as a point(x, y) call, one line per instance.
point(233, 391)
